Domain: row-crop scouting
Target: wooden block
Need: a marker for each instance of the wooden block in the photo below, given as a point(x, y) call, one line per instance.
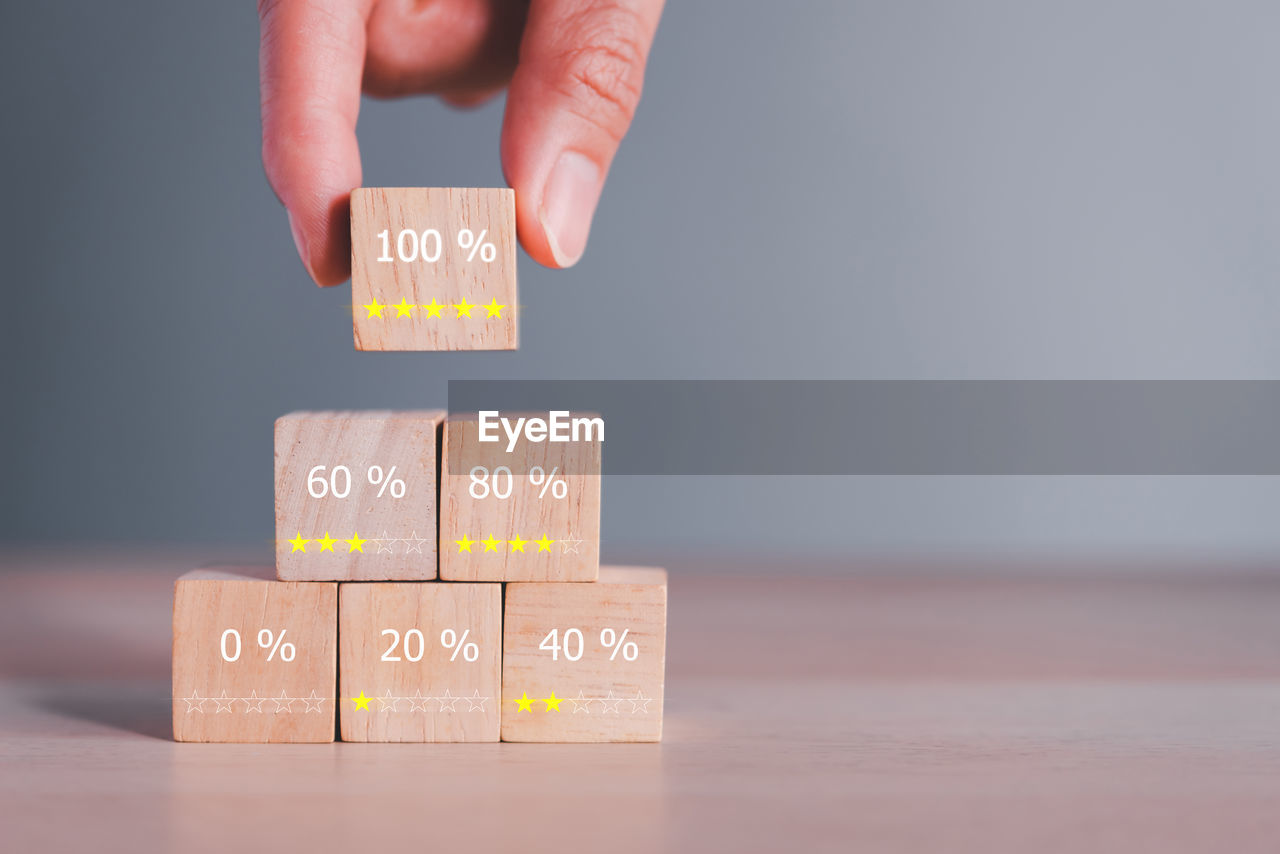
point(528, 514)
point(433, 268)
point(356, 495)
point(254, 659)
point(585, 662)
point(420, 662)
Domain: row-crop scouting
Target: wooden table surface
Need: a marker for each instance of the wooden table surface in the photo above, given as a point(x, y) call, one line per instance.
point(950, 710)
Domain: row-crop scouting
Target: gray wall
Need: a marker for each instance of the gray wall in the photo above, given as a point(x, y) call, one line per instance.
point(812, 190)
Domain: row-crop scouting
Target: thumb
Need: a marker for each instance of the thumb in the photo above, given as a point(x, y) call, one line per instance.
point(572, 98)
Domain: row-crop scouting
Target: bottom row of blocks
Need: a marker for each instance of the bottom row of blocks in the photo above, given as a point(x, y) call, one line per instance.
point(258, 660)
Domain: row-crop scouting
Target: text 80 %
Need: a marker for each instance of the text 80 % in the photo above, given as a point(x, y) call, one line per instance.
point(500, 482)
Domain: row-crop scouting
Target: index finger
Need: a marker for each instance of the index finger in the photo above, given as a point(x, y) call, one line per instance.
point(311, 60)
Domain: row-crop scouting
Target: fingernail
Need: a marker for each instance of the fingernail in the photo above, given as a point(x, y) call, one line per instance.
point(568, 203)
point(301, 242)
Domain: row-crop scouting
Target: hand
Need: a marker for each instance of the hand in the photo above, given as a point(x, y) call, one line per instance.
point(574, 67)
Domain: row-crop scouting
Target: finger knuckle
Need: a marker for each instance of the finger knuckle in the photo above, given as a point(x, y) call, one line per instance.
point(604, 74)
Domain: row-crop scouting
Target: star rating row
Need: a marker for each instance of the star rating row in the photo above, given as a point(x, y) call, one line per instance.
point(385, 544)
point(582, 703)
point(517, 545)
point(254, 703)
point(388, 702)
point(404, 308)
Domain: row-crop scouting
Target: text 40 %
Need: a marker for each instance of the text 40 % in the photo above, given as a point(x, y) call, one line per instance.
point(414, 645)
point(429, 245)
point(500, 482)
point(267, 639)
point(322, 481)
point(570, 645)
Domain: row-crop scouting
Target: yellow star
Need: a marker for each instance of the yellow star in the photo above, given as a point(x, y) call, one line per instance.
point(523, 704)
point(553, 702)
point(355, 544)
point(493, 309)
point(517, 545)
point(326, 545)
point(374, 308)
point(402, 308)
point(464, 544)
point(362, 702)
point(434, 309)
point(298, 543)
point(464, 308)
point(544, 544)
point(490, 544)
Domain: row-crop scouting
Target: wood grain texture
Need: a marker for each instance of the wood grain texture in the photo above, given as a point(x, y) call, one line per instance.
point(947, 705)
point(528, 536)
point(451, 281)
point(441, 697)
point(364, 536)
point(601, 695)
point(259, 696)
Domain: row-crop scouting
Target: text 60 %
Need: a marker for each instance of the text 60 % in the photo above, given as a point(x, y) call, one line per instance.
point(323, 481)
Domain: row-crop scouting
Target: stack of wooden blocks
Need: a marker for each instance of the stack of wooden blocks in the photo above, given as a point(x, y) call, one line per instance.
point(429, 586)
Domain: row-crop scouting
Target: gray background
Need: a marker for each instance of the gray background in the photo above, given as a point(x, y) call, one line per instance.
point(815, 190)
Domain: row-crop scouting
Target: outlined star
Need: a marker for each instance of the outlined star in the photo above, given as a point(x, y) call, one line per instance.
point(403, 308)
point(418, 703)
point(493, 309)
point(544, 544)
point(553, 702)
point(491, 544)
point(284, 703)
point(448, 702)
point(581, 704)
point(464, 544)
point(326, 544)
point(253, 703)
point(224, 702)
point(313, 699)
point(476, 702)
point(517, 545)
point(434, 309)
point(524, 704)
point(611, 704)
point(416, 544)
point(387, 701)
point(570, 546)
point(464, 308)
point(299, 544)
point(374, 308)
point(355, 544)
point(362, 702)
point(194, 703)
point(384, 544)
point(636, 704)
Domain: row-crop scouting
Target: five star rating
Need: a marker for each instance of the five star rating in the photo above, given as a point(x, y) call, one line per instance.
point(446, 702)
point(280, 703)
point(519, 545)
point(383, 544)
point(582, 704)
point(406, 309)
